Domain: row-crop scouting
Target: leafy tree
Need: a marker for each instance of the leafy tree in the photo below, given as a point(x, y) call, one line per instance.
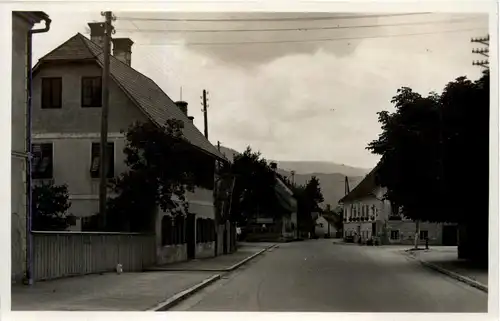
point(161, 164)
point(313, 192)
point(436, 148)
point(410, 148)
point(49, 206)
point(308, 197)
point(338, 216)
point(254, 190)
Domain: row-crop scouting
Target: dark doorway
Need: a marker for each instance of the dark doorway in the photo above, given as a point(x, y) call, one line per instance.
point(190, 236)
point(450, 235)
point(374, 229)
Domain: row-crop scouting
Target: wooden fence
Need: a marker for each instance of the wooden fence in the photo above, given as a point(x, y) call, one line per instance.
point(62, 254)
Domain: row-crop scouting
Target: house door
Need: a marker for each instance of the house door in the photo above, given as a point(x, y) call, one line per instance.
point(190, 236)
point(450, 235)
point(374, 229)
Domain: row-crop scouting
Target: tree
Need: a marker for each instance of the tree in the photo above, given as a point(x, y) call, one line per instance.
point(429, 146)
point(162, 164)
point(254, 190)
point(338, 216)
point(313, 192)
point(308, 199)
point(49, 206)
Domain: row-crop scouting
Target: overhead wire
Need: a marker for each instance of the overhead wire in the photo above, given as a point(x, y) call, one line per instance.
point(271, 19)
point(293, 29)
point(306, 40)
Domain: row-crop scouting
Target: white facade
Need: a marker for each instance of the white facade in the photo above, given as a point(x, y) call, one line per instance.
point(323, 227)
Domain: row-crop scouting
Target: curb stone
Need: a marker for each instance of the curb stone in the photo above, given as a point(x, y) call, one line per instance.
point(451, 274)
point(174, 300)
point(170, 302)
point(237, 265)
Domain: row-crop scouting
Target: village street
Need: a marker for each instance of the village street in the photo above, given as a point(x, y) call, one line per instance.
point(320, 276)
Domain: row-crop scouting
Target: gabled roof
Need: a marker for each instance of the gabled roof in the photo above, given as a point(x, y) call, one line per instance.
point(364, 188)
point(143, 91)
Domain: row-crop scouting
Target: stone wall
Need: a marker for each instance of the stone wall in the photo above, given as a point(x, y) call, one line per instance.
point(171, 254)
point(204, 250)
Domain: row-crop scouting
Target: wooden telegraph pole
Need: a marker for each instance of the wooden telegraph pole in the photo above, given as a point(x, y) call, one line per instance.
point(108, 29)
point(205, 116)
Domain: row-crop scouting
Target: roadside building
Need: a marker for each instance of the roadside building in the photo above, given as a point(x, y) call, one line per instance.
point(368, 216)
point(67, 101)
point(22, 31)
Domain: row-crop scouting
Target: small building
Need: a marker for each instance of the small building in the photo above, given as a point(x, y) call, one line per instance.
point(67, 101)
point(325, 226)
point(368, 216)
point(281, 225)
point(22, 24)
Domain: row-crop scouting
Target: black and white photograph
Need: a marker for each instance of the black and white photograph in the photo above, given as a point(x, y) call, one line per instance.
point(253, 161)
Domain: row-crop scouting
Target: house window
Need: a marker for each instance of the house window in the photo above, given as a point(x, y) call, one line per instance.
point(42, 161)
point(394, 235)
point(51, 93)
point(424, 235)
point(96, 160)
point(91, 92)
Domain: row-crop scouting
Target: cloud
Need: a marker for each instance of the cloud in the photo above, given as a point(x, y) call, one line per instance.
point(280, 101)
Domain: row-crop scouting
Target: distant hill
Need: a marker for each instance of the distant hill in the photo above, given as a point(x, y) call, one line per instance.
point(331, 175)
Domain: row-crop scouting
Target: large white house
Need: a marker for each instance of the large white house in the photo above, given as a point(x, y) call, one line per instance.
point(67, 101)
point(367, 215)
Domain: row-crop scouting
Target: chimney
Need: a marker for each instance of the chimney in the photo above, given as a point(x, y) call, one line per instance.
point(97, 33)
point(183, 106)
point(122, 49)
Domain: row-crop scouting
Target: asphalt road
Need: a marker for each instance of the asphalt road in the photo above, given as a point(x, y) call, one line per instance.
point(319, 276)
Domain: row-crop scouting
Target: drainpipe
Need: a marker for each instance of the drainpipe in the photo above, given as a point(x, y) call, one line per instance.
point(29, 183)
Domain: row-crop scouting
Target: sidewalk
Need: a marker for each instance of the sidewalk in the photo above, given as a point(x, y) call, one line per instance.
point(106, 292)
point(445, 258)
point(222, 263)
point(130, 291)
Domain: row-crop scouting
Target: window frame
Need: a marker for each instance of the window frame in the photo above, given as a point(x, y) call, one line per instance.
point(43, 93)
point(420, 234)
point(35, 173)
point(111, 165)
point(398, 235)
point(93, 102)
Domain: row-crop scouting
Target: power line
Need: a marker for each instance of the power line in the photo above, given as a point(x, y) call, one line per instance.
point(304, 41)
point(293, 29)
point(272, 19)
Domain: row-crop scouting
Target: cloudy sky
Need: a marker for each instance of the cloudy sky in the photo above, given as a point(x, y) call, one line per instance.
point(283, 92)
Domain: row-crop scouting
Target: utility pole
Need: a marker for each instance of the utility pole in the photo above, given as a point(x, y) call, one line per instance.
point(293, 177)
point(103, 157)
point(483, 51)
point(204, 110)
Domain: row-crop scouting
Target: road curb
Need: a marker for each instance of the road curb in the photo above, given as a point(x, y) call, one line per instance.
point(237, 265)
point(174, 300)
point(451, 274)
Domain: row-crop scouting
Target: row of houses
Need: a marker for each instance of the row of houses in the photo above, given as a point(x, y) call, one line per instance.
point(56, 110)
point(367, 215)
